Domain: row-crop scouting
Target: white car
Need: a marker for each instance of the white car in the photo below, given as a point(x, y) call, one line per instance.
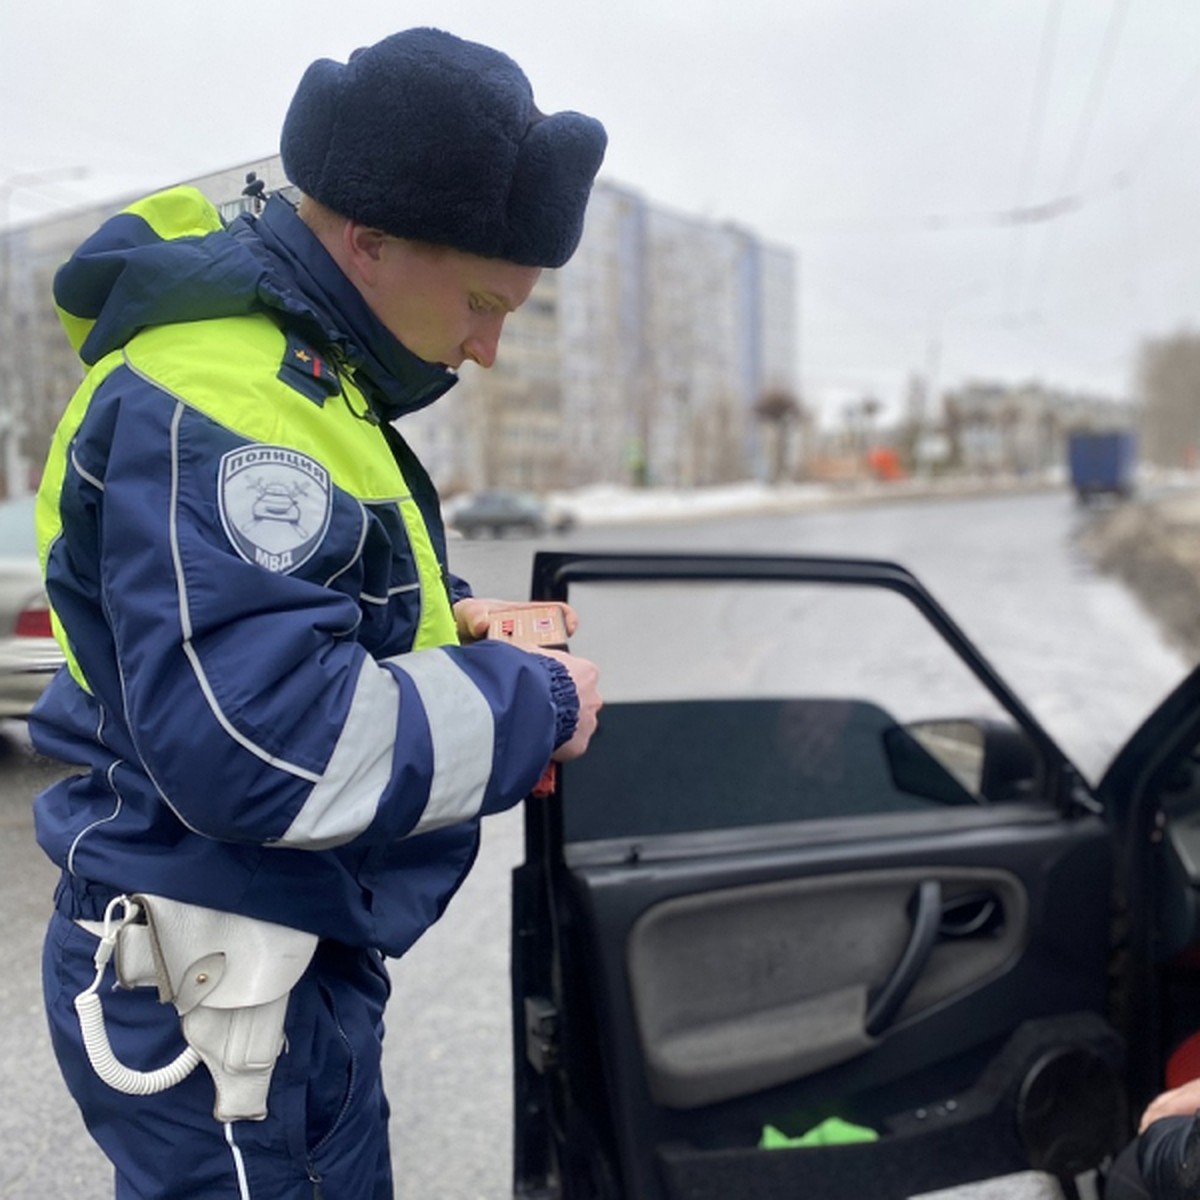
point(29, 654)
point(500, 511)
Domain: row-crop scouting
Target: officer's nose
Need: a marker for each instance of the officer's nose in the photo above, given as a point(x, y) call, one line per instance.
point(484, 342)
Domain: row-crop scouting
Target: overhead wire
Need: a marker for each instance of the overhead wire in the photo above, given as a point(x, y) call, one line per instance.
point(1083, 134)
point(1033, 143)
point(1071, 197)
point(1059, 206)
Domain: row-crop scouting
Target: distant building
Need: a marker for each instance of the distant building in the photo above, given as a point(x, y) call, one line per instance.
point(996, 427)
point(642, 359)
point(38, 368)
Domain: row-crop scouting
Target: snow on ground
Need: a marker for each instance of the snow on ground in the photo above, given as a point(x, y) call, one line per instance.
point(602, 504)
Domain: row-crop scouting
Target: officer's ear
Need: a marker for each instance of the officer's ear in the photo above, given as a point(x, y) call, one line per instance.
point(363, 248)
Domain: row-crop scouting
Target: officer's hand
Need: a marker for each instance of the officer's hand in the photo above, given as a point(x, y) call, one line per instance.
point(473, 614)
point(585, 675)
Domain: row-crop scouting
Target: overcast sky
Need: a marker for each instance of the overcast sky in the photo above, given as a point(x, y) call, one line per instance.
point(997, 189)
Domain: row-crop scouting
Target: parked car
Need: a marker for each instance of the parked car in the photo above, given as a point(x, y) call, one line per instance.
point(29, 654)
point(771, 904)
point(499, 512)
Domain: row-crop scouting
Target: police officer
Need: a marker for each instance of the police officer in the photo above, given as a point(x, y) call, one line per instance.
point(286, 728)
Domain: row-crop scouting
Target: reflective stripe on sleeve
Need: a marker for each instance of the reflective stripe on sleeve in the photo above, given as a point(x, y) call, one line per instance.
point(345, 799)
point(463, 733)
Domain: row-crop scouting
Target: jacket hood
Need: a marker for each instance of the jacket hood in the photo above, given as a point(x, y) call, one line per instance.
point(170, 258)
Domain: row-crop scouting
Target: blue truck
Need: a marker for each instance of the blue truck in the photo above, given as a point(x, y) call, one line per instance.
point(1102, 463)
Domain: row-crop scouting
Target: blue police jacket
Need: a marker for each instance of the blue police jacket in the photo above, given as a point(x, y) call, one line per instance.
point(247, 570)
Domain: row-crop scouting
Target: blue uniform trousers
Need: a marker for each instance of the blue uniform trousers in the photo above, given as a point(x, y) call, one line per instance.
point(326, 1133)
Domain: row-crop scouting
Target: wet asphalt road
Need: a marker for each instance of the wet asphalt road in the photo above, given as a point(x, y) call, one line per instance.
point(1076, 646)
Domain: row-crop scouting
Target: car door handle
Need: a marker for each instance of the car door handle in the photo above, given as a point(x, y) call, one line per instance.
point(972, 915)
point(926, 923)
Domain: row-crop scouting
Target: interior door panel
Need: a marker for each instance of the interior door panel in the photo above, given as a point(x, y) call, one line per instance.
point(730, 994)
point(741, 989)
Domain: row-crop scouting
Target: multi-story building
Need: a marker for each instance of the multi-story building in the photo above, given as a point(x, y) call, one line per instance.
point(641, 360)
point(38, 369)
point(997, 427)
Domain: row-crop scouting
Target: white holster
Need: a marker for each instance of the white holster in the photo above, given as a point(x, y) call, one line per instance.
point(229, 978)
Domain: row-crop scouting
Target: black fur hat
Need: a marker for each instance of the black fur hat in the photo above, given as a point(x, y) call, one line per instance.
point(430, 137)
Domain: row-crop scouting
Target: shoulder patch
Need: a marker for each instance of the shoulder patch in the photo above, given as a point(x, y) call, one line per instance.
point(275, 505)
point(308, 372)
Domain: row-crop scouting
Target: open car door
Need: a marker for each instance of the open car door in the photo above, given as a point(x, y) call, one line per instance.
point(1151, 793)
point(820, 877)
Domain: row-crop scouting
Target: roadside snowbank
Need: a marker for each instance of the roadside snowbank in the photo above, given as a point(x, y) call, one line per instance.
point(610, 504)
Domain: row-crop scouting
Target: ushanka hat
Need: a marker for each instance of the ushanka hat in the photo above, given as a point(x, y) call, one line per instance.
point(430, 137)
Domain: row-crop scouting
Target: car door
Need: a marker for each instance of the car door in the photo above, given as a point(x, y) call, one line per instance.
point(821, 877)
point(1151, 793)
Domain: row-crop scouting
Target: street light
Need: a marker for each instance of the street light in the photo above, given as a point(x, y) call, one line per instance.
point(11, 415)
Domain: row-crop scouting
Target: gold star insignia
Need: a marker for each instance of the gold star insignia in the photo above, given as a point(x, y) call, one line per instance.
point(303, 356)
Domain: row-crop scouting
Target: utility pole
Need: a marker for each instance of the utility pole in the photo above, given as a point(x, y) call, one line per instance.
point(930, 412)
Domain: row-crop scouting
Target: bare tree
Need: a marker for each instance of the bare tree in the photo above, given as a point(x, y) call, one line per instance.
point(952, 421)
point(779, 411)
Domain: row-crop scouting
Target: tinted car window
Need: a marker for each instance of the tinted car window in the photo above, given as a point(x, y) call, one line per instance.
point(755, 704)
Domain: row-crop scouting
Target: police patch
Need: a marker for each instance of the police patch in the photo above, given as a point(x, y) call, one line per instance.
point(275, 505)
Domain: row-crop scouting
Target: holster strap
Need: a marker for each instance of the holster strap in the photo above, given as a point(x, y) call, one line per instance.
point(229, 977)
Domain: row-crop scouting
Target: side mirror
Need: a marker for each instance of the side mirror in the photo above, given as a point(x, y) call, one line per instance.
point(991, 759)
